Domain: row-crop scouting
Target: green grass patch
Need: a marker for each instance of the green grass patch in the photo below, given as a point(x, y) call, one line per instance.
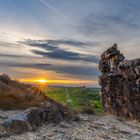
point(79, 99)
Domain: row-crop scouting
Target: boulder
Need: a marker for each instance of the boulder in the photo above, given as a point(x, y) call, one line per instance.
point(120, 84)
point(32, 118)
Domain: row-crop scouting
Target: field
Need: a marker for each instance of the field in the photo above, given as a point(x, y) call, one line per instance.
point(80, 99)
point(16, 95)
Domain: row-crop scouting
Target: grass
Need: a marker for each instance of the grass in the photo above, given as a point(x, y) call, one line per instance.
point(80, 99)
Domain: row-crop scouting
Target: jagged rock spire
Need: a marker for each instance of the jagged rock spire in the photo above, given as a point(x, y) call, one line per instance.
point(110, 59)
point(120, 84)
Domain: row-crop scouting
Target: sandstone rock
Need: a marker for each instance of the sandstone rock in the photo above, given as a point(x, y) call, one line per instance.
point(120, 84)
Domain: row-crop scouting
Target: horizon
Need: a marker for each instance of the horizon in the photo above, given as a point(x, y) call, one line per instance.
point(61, 42)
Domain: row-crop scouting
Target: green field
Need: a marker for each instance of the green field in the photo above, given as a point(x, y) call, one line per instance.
point(79, 99)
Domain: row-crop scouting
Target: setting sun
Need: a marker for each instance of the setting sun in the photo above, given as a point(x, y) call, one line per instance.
point(42, 81)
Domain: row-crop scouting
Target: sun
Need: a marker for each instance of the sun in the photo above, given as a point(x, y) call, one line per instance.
point(42, 81)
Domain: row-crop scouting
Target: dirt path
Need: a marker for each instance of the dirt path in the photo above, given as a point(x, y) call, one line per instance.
point(88, 128)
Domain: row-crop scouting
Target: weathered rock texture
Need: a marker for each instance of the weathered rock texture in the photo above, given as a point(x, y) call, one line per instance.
point(120, 84)
point(32, 118)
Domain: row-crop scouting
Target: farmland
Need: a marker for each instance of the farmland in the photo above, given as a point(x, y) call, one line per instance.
point(79, 99)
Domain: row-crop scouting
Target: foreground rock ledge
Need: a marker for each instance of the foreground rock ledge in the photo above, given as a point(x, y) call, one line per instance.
point(120, 84)
point(32, 118)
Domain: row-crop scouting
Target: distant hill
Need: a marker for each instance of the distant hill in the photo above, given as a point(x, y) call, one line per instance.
point(16, 95)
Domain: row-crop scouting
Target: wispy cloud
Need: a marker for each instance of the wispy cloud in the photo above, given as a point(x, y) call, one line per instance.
point(82, 71)
point(16, 50)
point(54, 51)
point(118, 19)
point(55, 42)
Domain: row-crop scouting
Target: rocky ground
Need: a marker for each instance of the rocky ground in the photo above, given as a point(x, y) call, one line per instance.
point(89, 127)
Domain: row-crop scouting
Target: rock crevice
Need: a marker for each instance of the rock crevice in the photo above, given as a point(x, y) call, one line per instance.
point(120, 84)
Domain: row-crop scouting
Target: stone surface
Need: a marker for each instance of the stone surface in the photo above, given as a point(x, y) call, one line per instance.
point(32, 118)
point(120, 84)
point(89, 127)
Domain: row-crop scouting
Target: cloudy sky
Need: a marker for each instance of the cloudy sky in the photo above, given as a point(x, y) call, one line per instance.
point(61, 40)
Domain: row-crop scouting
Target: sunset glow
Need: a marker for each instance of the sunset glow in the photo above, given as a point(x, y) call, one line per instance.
point(45, 41)
point(59, 82)
point(42, 81)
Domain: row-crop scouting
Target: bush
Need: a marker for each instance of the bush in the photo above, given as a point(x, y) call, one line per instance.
point(88, 110)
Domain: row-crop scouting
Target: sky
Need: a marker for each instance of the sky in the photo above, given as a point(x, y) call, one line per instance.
point(62, 40)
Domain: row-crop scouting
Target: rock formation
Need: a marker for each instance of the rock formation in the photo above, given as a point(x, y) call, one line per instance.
point(32, 118)
point(120, 84)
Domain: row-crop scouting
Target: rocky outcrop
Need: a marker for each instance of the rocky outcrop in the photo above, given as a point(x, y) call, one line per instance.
point(89, 127)
point(120, 84)
point(32, 118)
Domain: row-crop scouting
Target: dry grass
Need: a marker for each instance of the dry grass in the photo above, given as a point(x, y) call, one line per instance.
point(15, 95)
